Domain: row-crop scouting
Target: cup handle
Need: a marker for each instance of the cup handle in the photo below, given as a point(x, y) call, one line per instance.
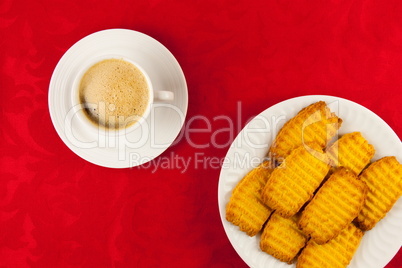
point(163, 95)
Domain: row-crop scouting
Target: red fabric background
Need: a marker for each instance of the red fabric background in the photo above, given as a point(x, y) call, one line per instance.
point(58, 210)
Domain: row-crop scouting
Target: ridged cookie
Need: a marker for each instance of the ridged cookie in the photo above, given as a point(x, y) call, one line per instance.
point(384, 181)
point(337, 253)
point(293, 182)
point(352, 151)
point(334, 206)
point(282, 238)
point(314, 123)
point(245, 208)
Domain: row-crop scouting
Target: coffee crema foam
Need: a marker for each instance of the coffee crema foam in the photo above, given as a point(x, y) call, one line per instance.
point(114, 93)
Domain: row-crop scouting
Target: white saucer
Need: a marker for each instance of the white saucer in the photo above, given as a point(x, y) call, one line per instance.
point(378, 245)
point(165, 121)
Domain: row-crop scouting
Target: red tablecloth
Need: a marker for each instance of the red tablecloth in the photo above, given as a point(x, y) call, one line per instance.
point(58, 210)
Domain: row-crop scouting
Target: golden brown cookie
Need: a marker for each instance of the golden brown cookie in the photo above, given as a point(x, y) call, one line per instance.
point(314, 123)
point(384, 181)
point(245, 208)
point(337, 253)
point(352, 151)
point(293, 183)
point(282, 238)
point(334, 206)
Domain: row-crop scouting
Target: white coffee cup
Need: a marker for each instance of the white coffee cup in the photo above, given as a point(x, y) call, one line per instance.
point(79, 109)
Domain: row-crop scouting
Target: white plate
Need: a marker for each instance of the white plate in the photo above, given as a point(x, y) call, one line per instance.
point(378, 245)
point(165, 121)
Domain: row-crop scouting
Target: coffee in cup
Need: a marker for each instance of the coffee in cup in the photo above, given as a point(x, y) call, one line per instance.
point(114, 94)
